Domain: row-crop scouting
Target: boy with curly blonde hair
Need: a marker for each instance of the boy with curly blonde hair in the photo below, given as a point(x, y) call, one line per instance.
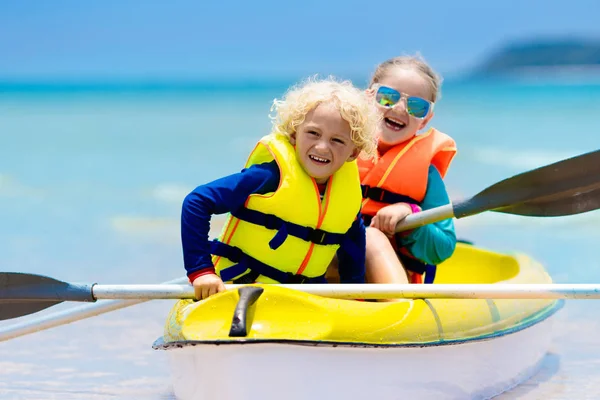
point(296, 204)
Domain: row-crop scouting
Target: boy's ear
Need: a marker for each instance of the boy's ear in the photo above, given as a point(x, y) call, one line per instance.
point(293, 139)
point(354, 155)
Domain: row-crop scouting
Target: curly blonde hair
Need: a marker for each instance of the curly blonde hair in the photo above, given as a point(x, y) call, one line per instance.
point(352, 103)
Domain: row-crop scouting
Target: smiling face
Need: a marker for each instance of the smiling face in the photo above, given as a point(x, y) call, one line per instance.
point(397, 125)
point(323, 142)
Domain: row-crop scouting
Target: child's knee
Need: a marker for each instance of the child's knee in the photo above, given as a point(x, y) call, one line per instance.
point(376, 239)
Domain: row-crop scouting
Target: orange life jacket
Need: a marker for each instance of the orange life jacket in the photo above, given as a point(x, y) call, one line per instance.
point(400, 176)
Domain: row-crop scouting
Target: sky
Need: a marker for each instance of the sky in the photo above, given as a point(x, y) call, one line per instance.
point(205, 39)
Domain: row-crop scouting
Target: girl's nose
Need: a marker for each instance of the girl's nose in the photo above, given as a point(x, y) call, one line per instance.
point(401, 106)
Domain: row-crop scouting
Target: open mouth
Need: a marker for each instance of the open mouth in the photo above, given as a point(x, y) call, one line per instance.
point(319, 160)
point(394, 124)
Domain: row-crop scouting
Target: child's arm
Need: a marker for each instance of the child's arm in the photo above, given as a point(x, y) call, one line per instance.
point(218, 197)
point(351, 255)
point(432, 243)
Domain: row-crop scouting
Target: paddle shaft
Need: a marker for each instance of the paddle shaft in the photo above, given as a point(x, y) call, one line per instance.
point(425, 217)
point(375, 291)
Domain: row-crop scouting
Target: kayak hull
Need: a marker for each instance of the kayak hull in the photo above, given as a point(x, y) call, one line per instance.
point(296, 345)
point(469, 370)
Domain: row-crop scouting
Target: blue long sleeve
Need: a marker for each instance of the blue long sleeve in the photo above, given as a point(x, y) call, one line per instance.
point(432, 243)
point(228, 194)
point(218, 197)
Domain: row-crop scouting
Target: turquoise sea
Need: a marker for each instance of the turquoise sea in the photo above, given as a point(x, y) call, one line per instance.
point(91, 183)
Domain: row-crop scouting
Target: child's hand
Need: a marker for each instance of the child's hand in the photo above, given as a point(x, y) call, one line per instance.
point(386, 219)
point(207, 285)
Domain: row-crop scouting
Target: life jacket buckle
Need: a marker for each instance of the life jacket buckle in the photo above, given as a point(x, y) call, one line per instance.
point(373, 193)
point(272, 222)
point(316, 236)
point(378, 193)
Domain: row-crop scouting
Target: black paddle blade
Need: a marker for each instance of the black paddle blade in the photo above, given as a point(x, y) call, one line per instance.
point(10, 309)
point(23, 294)
point(575, 203)
point(567, 187)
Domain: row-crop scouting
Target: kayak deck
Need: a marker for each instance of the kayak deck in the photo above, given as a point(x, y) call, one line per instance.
point(279, 314)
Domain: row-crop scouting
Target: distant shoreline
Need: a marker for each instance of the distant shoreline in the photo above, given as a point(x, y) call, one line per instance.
point(559, 56)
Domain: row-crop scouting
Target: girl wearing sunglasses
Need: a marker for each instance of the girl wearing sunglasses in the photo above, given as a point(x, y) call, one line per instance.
point(407, 175)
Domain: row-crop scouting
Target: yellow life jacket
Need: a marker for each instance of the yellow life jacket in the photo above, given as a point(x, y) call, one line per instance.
point(290, 235)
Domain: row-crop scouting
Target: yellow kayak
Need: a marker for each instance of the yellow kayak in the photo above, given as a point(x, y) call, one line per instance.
point(470, 348)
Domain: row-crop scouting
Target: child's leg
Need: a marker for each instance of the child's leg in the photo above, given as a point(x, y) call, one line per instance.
point(383, 265)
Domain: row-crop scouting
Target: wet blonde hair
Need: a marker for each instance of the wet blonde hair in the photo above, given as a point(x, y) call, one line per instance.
point(416, 62)
point(353, 104)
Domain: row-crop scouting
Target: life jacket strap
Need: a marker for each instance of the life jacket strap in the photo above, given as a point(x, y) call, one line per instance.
point(285, 228)
point(418, 267)
point(246, 279)
point(385, 196)
point(244, 262)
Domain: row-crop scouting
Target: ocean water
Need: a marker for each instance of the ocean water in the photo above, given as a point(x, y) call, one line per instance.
point(91, 184)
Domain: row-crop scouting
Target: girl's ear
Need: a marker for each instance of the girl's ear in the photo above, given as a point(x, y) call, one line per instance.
point(293, 139)
point(426, 120)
